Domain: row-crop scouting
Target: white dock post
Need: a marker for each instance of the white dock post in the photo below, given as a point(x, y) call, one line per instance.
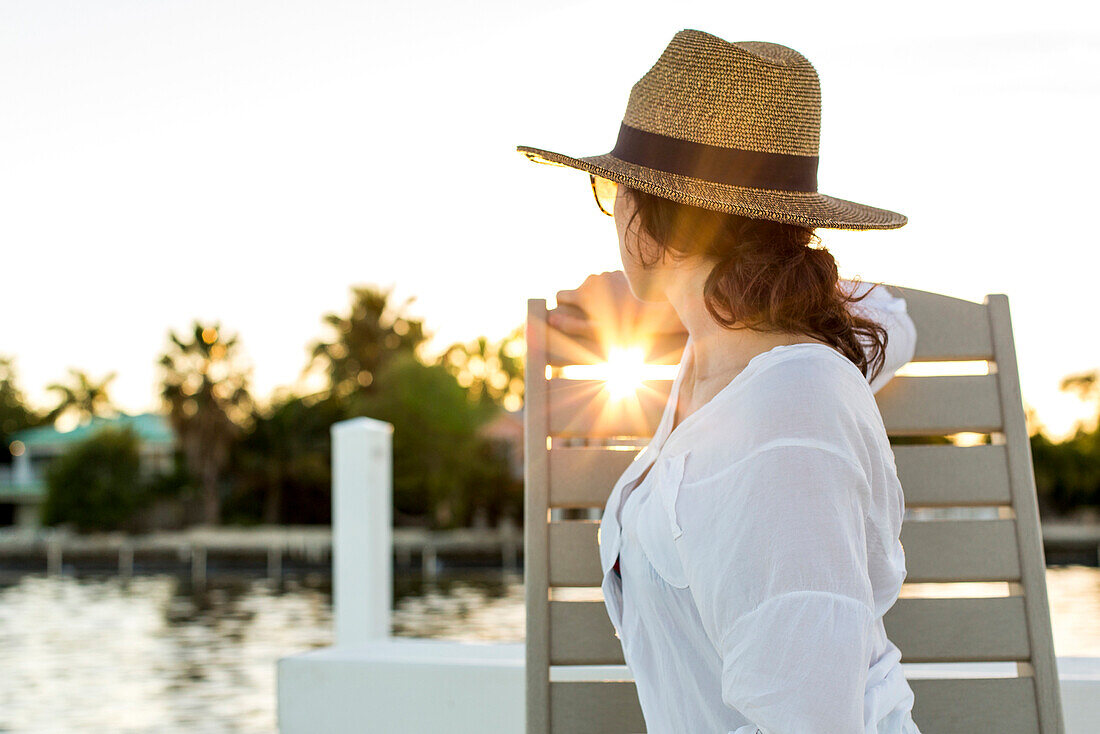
point(362, 529)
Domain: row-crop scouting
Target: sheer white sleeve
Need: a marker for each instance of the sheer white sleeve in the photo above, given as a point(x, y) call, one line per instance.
point(887, 309)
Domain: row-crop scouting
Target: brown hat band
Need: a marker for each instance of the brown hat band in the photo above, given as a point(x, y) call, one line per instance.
point(749, 168)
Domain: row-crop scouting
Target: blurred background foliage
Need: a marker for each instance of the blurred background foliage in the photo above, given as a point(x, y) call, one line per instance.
point(97, 484)
point(204, 390)
point(243, 461)
point(15, 413)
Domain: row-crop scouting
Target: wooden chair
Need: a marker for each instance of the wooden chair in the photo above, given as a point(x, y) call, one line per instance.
point(567, 486)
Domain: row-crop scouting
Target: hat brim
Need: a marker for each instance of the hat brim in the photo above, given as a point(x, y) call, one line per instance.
point(809, 209)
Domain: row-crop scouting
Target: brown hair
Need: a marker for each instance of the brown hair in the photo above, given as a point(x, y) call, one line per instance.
point(767, 276)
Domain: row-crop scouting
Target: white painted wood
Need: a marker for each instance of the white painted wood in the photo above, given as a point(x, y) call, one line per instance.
point(608, 707)
point(910, 406)
point(960, 550)
point(586, 408)
point(962, 705)
point(936, 406)
point(948, 329)
point(935, 550)
point(362, 529)
point(566, 349)
point(583, 476)
point(941, 475)
point(412, 686)
point(933, 475)
point(1026, 507)
point(536, 512)
point(925, 630)
point(403, 686)
point(948, 706)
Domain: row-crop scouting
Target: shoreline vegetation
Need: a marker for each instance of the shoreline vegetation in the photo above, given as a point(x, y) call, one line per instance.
point(240, 461)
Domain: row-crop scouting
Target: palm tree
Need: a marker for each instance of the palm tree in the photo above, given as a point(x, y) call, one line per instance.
point(364, 340)
point(205, 391)
point(1087, 387)
point(15, 413)
point(490, 372)
point(83, 395)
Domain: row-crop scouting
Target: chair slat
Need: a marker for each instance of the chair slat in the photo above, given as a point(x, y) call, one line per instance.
point(581, 633)
point(925, 630)
point(932, 475)
point(948, 328)
point(942, 706)
point(951, 329)
point(574, 553)
point(960, 550)
point(942, 475)
point(959, 630)
point(566, 349)
point(967, 705)
point(586, 408)
point(935, 551)
point(595, 707)
point(584, 476)
point(936, 406)
point(913, 406)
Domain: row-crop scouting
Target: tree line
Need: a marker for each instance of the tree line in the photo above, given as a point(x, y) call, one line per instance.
point(243, 461)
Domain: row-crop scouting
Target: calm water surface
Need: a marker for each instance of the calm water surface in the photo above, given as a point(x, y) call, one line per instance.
point(156, 655)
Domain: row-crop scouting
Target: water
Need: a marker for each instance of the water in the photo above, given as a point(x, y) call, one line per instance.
point(88, 654)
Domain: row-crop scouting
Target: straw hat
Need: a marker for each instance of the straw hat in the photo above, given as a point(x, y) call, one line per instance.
point(732, 127)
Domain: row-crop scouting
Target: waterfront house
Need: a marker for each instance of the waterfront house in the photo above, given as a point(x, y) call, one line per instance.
point(22, 484)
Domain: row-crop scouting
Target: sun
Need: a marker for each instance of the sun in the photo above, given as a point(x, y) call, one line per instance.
point(624, 373)
point(625, 370)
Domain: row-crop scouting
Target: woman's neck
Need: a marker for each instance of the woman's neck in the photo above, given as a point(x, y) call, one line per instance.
point(719, 353)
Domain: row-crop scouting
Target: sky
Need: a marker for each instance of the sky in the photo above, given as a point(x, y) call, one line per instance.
point(248, 162)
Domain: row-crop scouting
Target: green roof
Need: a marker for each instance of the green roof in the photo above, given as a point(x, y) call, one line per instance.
point(150, 428)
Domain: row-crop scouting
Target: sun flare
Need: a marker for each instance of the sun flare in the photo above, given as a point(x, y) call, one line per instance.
point(625, 371)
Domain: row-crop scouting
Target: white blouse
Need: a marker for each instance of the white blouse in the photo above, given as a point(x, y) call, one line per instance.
point(760, 553)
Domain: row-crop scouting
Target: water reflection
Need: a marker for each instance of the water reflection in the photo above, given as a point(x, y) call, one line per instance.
point(154, 655)
point(158, 655)
point(1074, 596)
point(475, 606)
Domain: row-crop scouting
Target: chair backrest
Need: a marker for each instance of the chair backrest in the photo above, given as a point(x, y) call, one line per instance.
point(567, 486)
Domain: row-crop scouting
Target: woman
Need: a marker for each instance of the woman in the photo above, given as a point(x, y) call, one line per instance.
point(751, 550)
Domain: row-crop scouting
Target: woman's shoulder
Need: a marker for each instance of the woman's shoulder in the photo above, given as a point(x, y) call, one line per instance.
point(811, 379)
point(810, 395)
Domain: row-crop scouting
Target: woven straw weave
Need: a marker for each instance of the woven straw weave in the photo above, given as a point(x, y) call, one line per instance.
point(750, 96)
point(770, 93)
